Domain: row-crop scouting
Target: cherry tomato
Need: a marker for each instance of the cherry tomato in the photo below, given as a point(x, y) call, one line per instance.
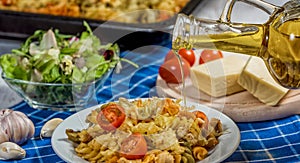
point(111, 116)
point(209, 55)
point(201, 115)
point(189, 55)
point(170, 55)
point(170, 70)
point(134, 147)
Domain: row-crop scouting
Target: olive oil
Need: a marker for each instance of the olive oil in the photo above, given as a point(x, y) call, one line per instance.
point(282, 54)
point(182, 77)
point(247, 43)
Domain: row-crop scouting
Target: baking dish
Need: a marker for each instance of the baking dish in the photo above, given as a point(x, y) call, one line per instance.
point(19, 25)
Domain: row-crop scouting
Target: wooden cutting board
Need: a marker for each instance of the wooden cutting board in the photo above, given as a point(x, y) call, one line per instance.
point(241, 107)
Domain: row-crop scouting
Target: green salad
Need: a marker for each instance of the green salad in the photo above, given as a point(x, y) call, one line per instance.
point(52, 57)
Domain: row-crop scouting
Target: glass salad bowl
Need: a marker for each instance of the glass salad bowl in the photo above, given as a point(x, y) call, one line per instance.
point(58, 71)
point(57, 96)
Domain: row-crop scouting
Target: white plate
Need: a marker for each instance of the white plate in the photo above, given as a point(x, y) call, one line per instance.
point(227, 145)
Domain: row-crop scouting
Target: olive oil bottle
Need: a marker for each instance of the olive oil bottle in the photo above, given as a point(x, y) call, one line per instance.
point(277, 41)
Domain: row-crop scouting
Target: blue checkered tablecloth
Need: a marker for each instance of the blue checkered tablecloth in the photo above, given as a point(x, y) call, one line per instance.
point(268, 141)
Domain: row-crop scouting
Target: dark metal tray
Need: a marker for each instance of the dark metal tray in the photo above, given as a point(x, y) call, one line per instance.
point(19, 25)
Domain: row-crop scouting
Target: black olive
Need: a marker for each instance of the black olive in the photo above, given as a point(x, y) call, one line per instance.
point(108, 54)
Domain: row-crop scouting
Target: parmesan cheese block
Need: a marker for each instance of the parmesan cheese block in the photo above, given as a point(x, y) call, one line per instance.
point(219, 77)
point(257, 80)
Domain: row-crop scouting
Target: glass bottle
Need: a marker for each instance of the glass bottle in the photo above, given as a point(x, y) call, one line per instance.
point(277, 41)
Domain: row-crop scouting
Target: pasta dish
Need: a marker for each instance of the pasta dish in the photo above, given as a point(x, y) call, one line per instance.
point(152, 10)
point(146, 131)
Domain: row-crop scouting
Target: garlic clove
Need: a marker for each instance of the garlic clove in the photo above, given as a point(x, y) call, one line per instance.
point(11, 151)
point(49, 127)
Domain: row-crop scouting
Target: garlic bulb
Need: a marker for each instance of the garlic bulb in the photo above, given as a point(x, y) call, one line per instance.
point(11, 151)
point(49, 127)
point(15, 126)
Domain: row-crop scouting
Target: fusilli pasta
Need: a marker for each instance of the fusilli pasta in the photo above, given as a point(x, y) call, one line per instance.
point(172, 134)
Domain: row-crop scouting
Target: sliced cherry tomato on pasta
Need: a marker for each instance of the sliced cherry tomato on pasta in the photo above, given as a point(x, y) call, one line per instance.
point(134, 147)
point(210, 55)
point(188, 55)
point(170, 70)
point(111, 116)
point(202, 115)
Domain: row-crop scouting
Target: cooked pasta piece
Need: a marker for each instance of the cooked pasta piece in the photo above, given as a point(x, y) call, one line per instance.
point(181, 126)
point(199, 153)
point(163, 140)
point(91, 118)
point(78, 136)
point(108, 141)
point(187, 158)
point(149, 158)
point(95, 130)
point(216, 126)
point(93, 151)
point(146, 128)
point(141, 110)
point(165, 121)
point(124, 160)
point(164, 157)
point(212, 141)
point(170, 107)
